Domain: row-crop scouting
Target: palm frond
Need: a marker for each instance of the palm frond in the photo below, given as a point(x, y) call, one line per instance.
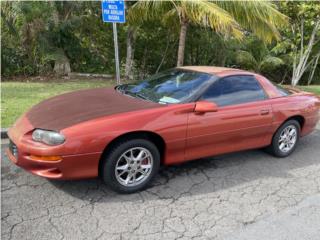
point(171, 19)
point(209, 14)
point(260, 17)
point(271, 63)
point(282, 47)
point(246, 60)
point(226, 17)
point(148, 10)
point(256, 47)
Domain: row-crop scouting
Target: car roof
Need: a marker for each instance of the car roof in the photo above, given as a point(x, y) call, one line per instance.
point(218, 71)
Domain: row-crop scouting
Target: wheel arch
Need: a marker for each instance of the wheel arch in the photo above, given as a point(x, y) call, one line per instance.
point(299, 118)
point(148, 135)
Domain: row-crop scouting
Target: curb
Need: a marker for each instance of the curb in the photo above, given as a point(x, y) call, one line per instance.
point(4, 133)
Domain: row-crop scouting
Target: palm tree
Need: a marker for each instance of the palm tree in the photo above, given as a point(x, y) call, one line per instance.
point(229, 18)
point(254, 55)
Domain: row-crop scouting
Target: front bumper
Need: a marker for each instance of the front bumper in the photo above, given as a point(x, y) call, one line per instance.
point(69, 167)
point(76, 166)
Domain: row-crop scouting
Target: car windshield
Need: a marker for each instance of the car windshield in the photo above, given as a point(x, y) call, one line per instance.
point(172, 86)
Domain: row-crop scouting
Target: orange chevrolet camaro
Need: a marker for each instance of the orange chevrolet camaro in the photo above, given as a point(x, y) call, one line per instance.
point(124, 134)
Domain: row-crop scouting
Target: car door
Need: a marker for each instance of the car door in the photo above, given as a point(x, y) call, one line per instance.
point(242, 121)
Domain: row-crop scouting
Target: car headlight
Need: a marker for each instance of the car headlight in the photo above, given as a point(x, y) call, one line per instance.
point(47, 137)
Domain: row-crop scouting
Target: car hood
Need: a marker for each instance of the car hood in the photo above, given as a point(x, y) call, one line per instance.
point(72, 108)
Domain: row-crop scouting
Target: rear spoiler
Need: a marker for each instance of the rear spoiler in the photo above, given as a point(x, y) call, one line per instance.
point(295, 90)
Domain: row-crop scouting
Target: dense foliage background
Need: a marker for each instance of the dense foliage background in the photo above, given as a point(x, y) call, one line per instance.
point(37, 36)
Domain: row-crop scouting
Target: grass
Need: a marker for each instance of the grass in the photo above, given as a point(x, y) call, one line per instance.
point(312, 88)
point(18, 97)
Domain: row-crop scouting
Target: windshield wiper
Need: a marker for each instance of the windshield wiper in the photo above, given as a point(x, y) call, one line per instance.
point(123, 89)
point(136, 95)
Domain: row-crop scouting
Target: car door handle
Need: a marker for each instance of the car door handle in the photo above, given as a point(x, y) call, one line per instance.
point(264, 112)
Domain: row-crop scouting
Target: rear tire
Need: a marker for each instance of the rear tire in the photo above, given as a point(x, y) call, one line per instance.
point(131, 165)
point(285, 140)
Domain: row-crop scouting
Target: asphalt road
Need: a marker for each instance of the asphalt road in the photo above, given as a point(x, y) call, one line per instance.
point(247, 195)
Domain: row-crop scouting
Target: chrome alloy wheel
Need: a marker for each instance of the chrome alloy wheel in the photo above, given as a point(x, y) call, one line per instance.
point(134, 166)
point(288, 138)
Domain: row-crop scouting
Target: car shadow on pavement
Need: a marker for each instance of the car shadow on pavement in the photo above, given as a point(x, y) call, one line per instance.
point(205, 176)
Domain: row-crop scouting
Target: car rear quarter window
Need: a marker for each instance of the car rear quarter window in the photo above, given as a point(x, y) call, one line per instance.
point(234, 90)
point(282, 90)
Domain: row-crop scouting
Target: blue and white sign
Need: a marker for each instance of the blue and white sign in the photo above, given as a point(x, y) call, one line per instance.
point(113, 11)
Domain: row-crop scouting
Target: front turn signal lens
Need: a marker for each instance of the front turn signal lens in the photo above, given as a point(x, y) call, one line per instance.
point(45, 158)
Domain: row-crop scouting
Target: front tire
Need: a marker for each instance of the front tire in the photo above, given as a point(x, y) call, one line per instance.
point(131, 165)
point(285, 140)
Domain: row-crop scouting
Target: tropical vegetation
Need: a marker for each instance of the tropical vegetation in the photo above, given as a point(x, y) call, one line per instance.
point(278, 39)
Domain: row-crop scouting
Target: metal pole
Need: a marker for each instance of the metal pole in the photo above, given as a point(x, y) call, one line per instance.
point(116, 51)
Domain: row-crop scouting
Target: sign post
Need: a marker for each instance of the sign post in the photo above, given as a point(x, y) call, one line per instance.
point(116, 51)
point(114, 12)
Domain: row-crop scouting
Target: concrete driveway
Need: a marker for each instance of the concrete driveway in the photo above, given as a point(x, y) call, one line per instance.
point(247, 195)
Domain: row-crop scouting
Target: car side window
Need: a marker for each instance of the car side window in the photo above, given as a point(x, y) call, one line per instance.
point(234, 90)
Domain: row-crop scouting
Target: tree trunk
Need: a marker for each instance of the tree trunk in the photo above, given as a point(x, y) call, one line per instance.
point(62, 68)
point(62, 64)
point(164, 54)
point(182, 42)
point(313, 69)
point(303, 64)
point(130, 52)
point(143, 70)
